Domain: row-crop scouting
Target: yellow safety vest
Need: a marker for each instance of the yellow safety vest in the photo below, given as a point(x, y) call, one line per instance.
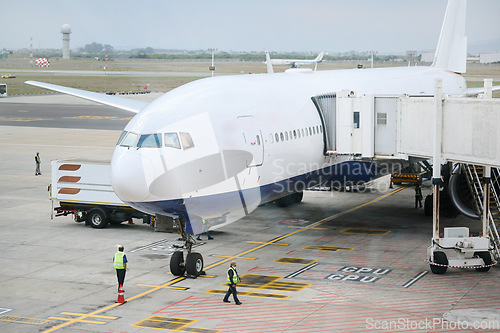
point(118, 262)
point(236, 278)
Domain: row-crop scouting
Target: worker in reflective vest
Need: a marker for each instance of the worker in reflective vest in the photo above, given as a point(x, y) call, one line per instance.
point(37, 163)
point(120, 262)
point(232, 279)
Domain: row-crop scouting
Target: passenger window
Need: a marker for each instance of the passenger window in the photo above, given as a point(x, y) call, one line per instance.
point(282, 136)
point(186, 140)
point(294, 134)
point(277, 137)
point(310, 131)
point(302, 132)
point(129, 140)
point(271, 138)
point(321, 128)
point(149, 141)
point(286, 136)
point(122, 136)
point(172, 140)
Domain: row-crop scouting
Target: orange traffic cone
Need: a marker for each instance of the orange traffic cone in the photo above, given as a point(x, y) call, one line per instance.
point(390, 185)
point(121, 296)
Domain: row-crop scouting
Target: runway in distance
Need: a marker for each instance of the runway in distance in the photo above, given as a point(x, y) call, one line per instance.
point(213, 150)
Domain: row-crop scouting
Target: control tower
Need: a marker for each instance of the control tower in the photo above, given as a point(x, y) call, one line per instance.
point(65, 30)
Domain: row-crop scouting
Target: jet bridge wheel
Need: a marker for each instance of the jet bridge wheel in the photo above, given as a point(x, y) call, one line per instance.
point(486, 256)
point(439, 258)
point(177, 266)
point(194, 264)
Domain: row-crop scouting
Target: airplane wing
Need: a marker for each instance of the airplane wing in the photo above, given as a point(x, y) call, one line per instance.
point(476, 91)
point(123, 103)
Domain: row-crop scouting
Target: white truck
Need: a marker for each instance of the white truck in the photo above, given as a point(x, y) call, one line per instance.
point(83, 188)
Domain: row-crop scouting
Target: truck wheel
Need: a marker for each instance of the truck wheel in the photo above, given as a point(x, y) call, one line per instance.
point(439, 258)
point(194, 264)
point(485, 255)
point(177, 266)
point(97, 219)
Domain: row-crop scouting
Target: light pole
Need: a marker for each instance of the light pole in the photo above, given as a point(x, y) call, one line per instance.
point(105, 70)
point(212, 68)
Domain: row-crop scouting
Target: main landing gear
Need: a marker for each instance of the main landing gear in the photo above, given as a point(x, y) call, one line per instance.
point(185, 261)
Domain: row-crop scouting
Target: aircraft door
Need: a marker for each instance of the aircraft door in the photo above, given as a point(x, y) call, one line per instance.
point(253, 139)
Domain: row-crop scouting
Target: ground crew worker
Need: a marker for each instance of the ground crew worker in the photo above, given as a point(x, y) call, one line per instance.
point(232, 279)
point(37, 162)
point(120, 262)
point(418, 195)
point(205, 227)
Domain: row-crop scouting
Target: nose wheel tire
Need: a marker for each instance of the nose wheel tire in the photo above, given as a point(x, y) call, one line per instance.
point(177, 266)
point(194, 264)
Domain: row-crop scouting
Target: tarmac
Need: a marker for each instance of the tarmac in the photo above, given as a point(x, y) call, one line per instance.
point(337, 262)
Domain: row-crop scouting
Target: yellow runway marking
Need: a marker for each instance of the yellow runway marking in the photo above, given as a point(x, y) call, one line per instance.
point(171, 324)
point(295, 261)
point(283, 244)
point(297, 227)
point(23, 320)
point(362, 231)
point(248, 293)
point(167, 287)
point(269, 282)
point(79, 320)
point(220, 256)
point(327, 248)
point(82, 314)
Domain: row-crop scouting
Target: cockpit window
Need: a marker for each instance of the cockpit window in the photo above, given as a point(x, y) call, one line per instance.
point(187, 141)
point(129, 140)
point(121, 138)
point(172, 140)
point(149, 141)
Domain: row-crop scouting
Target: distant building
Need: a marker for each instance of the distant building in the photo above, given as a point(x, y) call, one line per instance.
point(489, 57)
point(427, 56)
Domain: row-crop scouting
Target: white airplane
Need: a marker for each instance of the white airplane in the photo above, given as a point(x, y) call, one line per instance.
point(293, 62)
point(211, 151)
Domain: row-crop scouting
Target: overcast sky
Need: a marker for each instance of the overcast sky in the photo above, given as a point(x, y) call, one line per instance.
point(257, 25)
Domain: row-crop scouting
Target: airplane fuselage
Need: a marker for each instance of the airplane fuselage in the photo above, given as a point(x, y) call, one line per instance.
point(224, 145)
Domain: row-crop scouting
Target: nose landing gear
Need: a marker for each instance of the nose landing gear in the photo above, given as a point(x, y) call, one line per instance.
point(192, 265)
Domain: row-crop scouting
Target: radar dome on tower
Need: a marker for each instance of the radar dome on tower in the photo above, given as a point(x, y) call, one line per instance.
point(65, 29)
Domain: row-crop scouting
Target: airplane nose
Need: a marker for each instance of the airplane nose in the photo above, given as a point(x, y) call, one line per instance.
point(125, 163)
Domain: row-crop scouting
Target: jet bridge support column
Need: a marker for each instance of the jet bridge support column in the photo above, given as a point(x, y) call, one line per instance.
point(436, 173)
point(486, 200)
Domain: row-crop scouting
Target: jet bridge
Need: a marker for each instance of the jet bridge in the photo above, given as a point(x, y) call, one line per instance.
point(463, 131)
point(399, 126)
